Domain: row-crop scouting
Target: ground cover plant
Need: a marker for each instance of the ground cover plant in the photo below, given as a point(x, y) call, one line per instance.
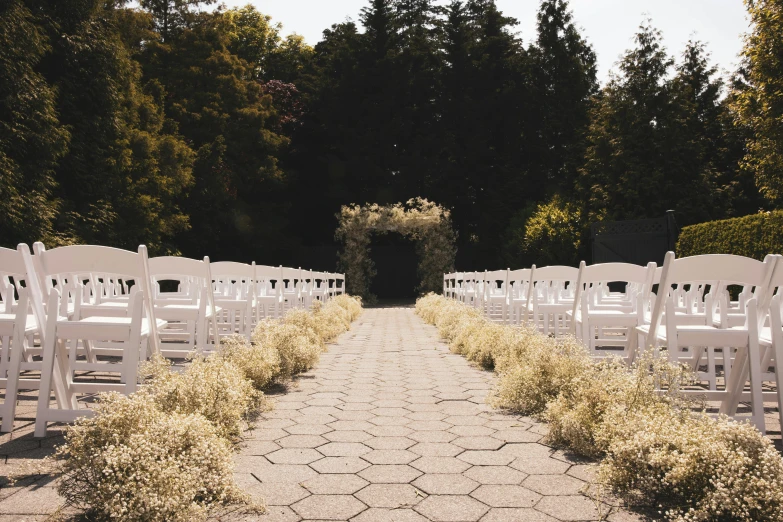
point(165, 453)
point(656, 449)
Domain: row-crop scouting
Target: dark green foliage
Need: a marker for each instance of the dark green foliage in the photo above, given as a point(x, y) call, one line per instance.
point(658, 143)
point(752, 236)
point(206, 132)
point(226, 117)
point(172, 17)
point(121, 178)
point(564, 83)
point(758, 102)
point(32, 138)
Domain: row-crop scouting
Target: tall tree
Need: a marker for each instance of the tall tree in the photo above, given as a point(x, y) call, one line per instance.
point(498, 149)
point(32, 139)
point(627, 171)
point(235, 206)
point(757, 98)
point(563, 84)
point(124, 171)
point(707, 142)
point(253, 37)
point(416, 69)
point(172, 16)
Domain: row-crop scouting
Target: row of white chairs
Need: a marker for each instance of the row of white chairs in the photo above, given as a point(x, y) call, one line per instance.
point(77, 320)
point(722, 315)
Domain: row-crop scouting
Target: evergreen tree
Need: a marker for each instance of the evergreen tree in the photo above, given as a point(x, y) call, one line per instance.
point(172, 16)
point(498, 156)
point(563, 85)
point(707, 143)
point(627, 172)
point(413, 125)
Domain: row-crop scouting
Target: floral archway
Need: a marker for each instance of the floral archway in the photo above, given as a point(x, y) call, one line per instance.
point(423, 221)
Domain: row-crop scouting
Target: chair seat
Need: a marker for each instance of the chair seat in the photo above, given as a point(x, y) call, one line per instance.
point(233, 304)
point(613, 314)
point(702, 335)
point(554, 307)
point(7, 324)
point(182, 311)
point(111, 308)
point(102, 327)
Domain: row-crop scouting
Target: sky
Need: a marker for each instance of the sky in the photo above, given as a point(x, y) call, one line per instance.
point(609, 25)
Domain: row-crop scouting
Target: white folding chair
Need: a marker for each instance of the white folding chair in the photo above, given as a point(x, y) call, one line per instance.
point(471, 289)
point(74, 342)
point(770, 340)
point(234, 289)
point(268, 293)
point(450, 285)
point(553, 298)
point(319, 287)
point(689, 343)
point(603, 319)
point(495, 295)
point(18, 327)
point(339, 284)
point(291, 288)
point(520, 294)
point(190, 317)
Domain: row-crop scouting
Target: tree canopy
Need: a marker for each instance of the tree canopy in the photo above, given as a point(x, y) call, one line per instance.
point(204, 130)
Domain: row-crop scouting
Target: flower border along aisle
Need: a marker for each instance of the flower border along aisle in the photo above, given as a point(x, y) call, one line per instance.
point(165, 453)
point(426, 222)
point(657, 451)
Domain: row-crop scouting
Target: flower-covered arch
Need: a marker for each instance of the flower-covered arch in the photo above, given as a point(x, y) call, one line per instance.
point(424, 221)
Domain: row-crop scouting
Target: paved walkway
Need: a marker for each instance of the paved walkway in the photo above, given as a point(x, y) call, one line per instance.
point(392, 427)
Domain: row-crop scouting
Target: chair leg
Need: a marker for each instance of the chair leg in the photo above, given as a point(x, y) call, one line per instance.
point(12, 384)
point(756, 397)
point(47, 370)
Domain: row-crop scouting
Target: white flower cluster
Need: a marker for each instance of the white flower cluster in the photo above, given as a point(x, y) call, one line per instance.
point(657, 448)
point(165, 453)
point(135, 462)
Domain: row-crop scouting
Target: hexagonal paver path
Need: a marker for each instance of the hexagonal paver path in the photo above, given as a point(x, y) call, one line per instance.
point(392, 427)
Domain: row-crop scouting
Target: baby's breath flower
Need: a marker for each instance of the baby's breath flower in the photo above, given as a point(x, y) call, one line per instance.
point(657, 446)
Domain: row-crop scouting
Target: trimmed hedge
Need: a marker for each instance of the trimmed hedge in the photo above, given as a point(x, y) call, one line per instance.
point(751, 236)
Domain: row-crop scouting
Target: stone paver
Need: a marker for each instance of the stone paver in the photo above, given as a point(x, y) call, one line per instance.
point(389, 427)
point(394, 428)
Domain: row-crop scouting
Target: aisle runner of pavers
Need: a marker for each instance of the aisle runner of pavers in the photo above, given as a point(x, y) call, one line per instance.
point(392, 427)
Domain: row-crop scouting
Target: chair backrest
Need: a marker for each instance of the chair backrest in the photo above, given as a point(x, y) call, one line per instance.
point(11, 262)
point(319, 280)
point(179, 268)
point(640, 276)
point(521, 274)
point(556, 273)
point(11, 266)
point(615, 272)
point(554, 283)
point(292, 278)
point(267, 279)
point(230, 275)
point(232, 269)
point(339, 283)
point(495, 280)
point(714, 269)
point(84, 260)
